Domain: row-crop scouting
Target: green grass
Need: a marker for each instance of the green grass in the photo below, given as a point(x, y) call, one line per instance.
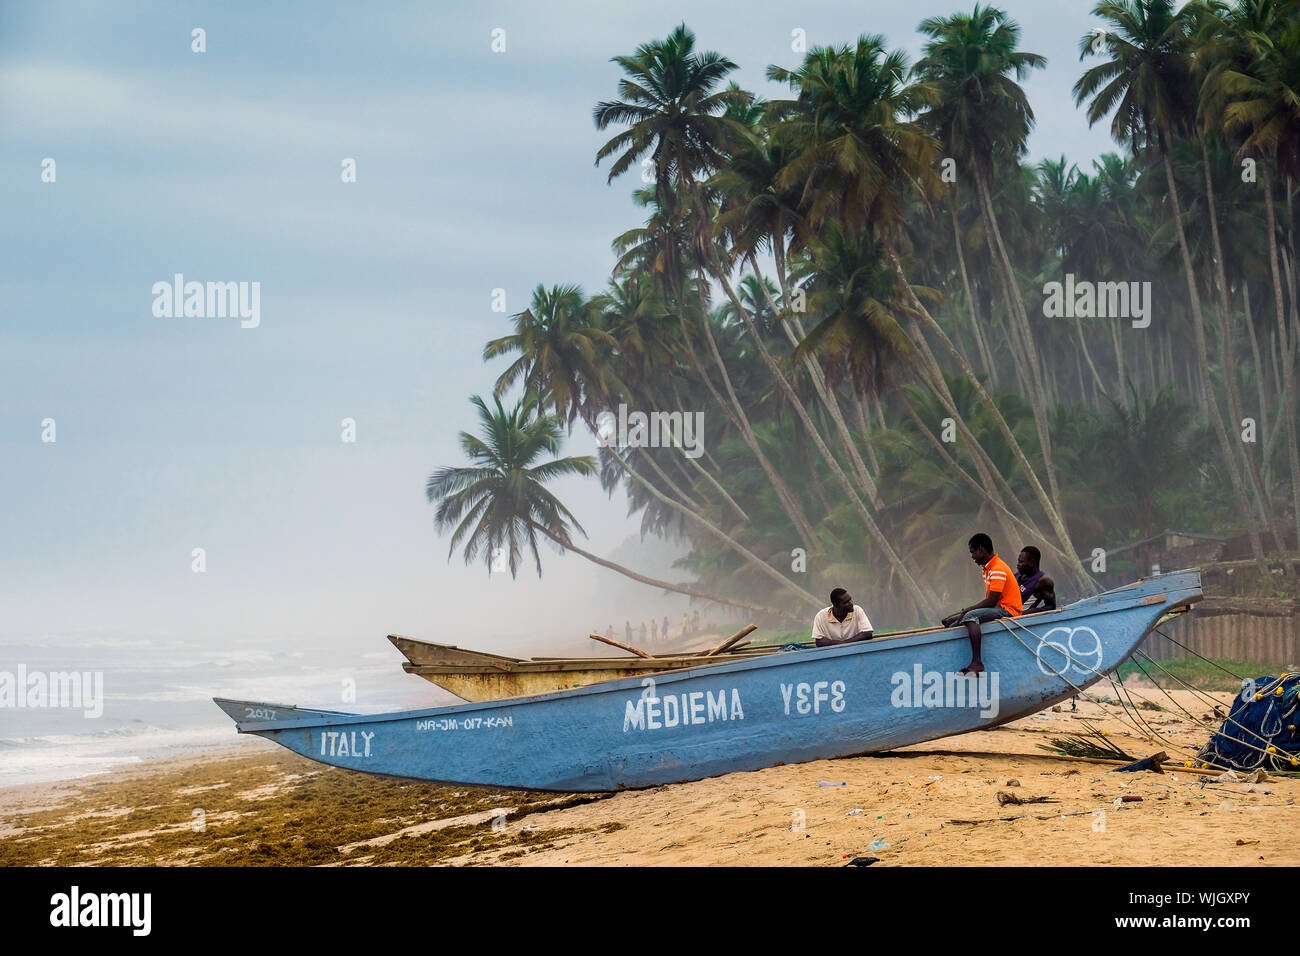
point(1199, 673)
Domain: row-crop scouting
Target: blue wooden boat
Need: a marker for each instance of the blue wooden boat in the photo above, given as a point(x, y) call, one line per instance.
point(698, 722)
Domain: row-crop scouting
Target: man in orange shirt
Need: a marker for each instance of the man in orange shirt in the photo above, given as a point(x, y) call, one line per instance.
point(1001, 598)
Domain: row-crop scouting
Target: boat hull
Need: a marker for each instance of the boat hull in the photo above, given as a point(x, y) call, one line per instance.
point(476, 676)
point(744, 715)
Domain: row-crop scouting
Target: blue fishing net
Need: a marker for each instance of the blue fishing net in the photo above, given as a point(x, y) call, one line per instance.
point(1260, 730)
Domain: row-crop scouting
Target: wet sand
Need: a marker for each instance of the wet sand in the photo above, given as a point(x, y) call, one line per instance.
point(934, 804)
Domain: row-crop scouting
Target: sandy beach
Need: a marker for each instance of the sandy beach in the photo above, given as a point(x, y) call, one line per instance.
point(933, 804)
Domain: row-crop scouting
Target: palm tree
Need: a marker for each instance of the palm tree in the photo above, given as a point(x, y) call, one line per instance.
point(958, 234)
point(649, 348)
point(1096, 233)
point(977, 108)
point(562, 353)
point(929, 503)
point(672, 109)
point(1149, 450)
point(1216, 45)
point(860, 163)
point(656, 250)
point(1058, 191)
point(1146, 82)
point(862, 305)
point(1254, 89)
point(851, 141)
point(755, 213)
point(500, 505)
point(644, 331)
point(564, 359)
point(558, 342)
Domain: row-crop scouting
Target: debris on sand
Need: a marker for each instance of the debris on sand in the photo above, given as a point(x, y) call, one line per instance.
point(1005, 798)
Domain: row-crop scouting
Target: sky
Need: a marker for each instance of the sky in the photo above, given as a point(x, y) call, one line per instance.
point(474, 172)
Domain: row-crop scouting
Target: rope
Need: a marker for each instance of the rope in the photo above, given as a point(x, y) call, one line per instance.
point(1275, 750)
point(1142, 732)
point(1171, 640)
point(1271, 753)
point(1171, 697)
point(1120, 688)
point(1259, 695)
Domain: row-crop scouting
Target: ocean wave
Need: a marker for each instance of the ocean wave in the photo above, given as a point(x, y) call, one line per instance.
point(66, 740)
point(46, 764)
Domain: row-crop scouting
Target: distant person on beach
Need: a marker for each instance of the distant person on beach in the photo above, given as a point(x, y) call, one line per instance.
point(665, 630)
point(609, 633)
point(1034, 584)
point(627, 630)
point(842, 623)
point(1001, 598)
point(654, 630)
point(686, 623)
point(643, 632)
point(695, 624)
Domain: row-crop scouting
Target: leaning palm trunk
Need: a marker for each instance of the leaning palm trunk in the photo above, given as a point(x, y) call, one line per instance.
point(983, 464)
point(926, 601)
point(708, 476)
point(1287, 358)
point(682, 496)
point(794, 332)
point(1235, 406)
point(568, 545)
point(736, 414)
point(1119, 362)
point(820, 385)
point(783, 491)
point(1047, 503)
point(1203, 364)
point(864, 428)
point(1099, 387)
point(701, 472)
point(793, 509)
point(708, 526)
point(1008, 518)
point(985, 355)
point(708, 256)
point(987, 471)
point(1021, 349)
point(1266, 476)
point(1039, 404)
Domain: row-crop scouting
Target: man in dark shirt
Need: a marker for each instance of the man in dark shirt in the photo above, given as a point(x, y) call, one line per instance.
point(1034, 584)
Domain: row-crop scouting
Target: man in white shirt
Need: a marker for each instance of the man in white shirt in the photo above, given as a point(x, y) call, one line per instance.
point(842, 623)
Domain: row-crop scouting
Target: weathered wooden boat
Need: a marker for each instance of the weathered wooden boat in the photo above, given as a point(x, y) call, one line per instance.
point(739, 715)
point(478, 676)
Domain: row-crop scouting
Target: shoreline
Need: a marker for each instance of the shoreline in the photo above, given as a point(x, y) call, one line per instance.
point(938, 803)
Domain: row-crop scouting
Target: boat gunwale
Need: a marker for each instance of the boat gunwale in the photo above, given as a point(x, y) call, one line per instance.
point(614, 663)
point(1085, 607)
